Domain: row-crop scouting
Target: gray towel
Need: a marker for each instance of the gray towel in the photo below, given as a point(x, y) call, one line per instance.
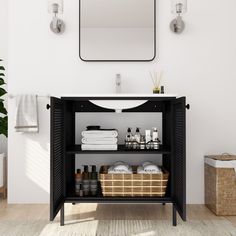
point(26, 119)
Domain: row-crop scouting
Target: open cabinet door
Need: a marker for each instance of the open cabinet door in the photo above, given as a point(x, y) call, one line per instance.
point(57, 157)
point(179, 158)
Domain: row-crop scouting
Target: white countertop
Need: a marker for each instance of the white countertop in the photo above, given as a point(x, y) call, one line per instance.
point(121, 95)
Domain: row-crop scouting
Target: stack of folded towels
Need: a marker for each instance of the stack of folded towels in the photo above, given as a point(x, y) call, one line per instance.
point(101, 139)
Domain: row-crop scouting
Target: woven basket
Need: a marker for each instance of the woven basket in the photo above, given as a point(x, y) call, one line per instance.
point(220, 187)
point(133, 185)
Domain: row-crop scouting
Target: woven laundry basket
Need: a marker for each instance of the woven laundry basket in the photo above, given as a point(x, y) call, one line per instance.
point(220, 184)
point(133, 185)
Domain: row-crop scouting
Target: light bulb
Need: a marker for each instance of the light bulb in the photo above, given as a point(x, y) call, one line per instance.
point(178, 6)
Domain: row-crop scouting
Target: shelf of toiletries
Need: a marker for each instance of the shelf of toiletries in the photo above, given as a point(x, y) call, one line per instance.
point(76, 149)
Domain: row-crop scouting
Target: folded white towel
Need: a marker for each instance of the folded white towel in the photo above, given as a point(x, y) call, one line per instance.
point(112, 170)
point(149, 166)
point(91, 147)
point(121, 167)
point(141, 170)
point(100, 134)
point(99, 140)
point(26, 119)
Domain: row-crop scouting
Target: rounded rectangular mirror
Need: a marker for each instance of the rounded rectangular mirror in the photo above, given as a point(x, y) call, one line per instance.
point(117, 30)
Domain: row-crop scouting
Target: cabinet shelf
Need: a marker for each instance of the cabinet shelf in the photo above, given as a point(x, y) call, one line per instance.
point(71, 197)
point(76, 149)
point(74, 199)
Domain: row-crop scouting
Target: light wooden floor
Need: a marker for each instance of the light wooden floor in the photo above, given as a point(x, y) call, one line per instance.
point(34, 217)
point(105, 212)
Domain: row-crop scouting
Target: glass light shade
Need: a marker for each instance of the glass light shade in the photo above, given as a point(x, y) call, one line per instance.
point(51, 6)
point(175, 7)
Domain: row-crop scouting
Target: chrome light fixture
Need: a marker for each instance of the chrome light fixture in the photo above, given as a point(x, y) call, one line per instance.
point(178, 7)
point(55, 7)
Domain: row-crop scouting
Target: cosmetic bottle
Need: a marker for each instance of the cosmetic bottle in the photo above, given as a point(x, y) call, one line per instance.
point(81, 192)
point(94, 181)
point(78, 181)
point(128, 139)
point(162, 89)
point(148, 138)
point(155, 134)
point(137, 138)
point(85, 177)
point(142, 142)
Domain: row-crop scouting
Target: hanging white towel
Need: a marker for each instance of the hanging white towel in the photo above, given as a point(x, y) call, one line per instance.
point(26, 119)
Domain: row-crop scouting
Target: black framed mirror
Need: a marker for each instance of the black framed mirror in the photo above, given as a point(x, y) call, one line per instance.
point(117, 30)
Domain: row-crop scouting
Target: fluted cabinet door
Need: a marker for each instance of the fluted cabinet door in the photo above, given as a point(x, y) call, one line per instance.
point(57, 196)
point(179, 157)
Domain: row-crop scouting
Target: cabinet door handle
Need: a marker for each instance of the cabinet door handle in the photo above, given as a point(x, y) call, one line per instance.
point(48, 106)
point(187, 106)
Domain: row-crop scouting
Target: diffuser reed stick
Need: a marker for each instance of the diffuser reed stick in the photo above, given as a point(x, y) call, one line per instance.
point(156, 80)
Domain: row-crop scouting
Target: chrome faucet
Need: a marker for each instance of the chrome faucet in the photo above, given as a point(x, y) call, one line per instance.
point(118, 83)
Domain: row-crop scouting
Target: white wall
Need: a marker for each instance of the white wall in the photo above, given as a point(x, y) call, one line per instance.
point(3, 55)
point(199, 64)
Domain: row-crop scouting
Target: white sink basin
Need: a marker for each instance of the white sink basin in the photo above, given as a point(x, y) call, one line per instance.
point(118, 105)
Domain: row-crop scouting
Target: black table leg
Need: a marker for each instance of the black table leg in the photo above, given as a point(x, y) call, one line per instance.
point(62, 215)
point(174, 220)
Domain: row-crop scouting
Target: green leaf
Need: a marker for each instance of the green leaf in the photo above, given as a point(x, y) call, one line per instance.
point(3, 109)
point(2, 74)
point(2, 91)
point(3, 125)
point(2, 68)
point(2, 81)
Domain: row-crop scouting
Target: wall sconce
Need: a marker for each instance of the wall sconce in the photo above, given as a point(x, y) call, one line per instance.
point(55, 7)
point(178, 7)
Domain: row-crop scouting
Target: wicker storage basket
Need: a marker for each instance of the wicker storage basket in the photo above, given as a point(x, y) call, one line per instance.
point(220, 184)
point(131, 185)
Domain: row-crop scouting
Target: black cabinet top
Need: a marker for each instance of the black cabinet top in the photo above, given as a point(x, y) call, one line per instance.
point(150, 97)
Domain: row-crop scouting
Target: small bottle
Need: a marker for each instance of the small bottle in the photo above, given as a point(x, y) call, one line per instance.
point(142, 142)
point(94, 181)
point(155, 134)
point(148, 138)
point(137, 135)
point(85, 176)
point(78, 181)
point(128, 139)
point(81, 192)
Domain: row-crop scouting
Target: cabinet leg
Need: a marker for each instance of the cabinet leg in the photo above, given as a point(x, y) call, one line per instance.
point(62, 215)
point(163, 203)
point(174, 219)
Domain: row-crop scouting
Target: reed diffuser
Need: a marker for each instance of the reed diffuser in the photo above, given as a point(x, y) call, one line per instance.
point(156, 80)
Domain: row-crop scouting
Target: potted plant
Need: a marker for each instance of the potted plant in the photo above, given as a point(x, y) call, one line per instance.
point(3, 119)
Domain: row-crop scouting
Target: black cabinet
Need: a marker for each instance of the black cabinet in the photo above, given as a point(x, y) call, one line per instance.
point(64, 149)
